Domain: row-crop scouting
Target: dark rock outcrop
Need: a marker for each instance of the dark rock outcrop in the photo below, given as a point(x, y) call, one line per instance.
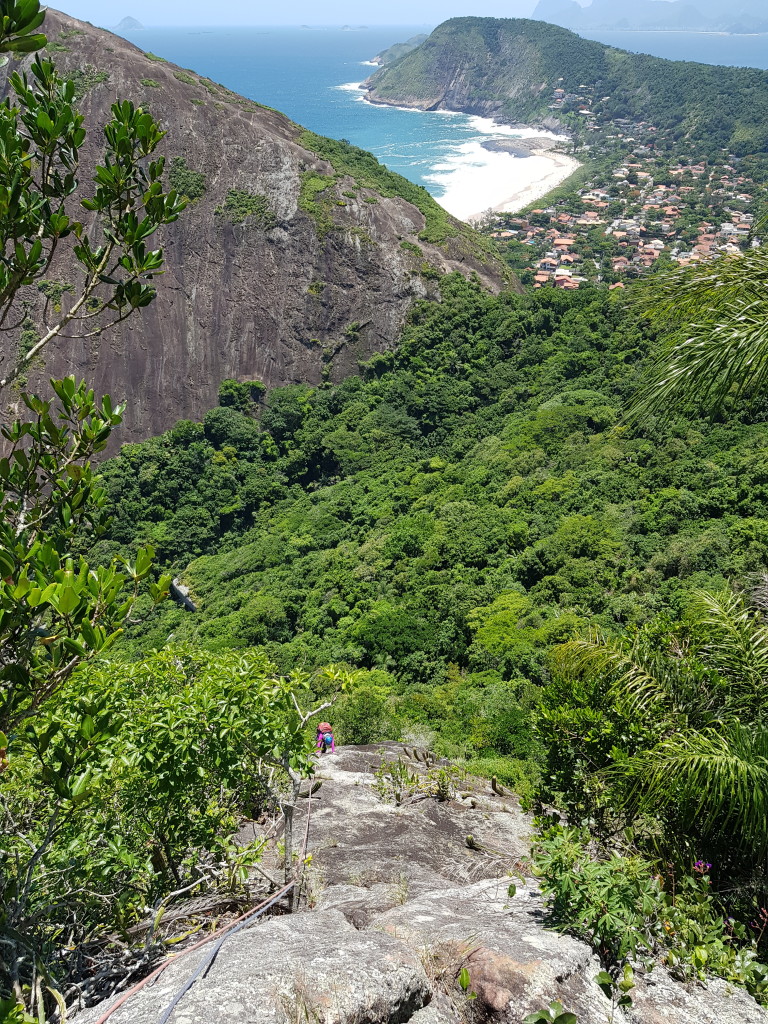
point(279, 298)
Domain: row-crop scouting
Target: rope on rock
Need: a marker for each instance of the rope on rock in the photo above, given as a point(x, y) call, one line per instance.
point(207, 962)
point(220, 936)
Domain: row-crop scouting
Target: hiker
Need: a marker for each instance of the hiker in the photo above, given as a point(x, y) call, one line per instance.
point(325, 738)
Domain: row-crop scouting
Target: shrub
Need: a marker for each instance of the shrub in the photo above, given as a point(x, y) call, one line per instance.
point(54, 292)
point(241, 395)
point(312, 186)
point(240, 204)
point(85, 78)
point(362, 716)
point(367, 172)
point(521, 776)
point(187, 182)
point(625, 910)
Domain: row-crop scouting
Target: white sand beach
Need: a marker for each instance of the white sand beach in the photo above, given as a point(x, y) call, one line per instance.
point(476, 180)
point(468, 179)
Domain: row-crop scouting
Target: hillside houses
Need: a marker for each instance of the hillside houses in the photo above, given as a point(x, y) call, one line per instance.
point(649, 203)
point(642, 212)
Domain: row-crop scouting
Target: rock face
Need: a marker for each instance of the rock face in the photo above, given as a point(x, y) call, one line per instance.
point(300, 294)
point(401, 902)
point(305, 968)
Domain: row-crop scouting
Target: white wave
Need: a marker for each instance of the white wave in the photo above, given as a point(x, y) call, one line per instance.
point(487, 126)
point(468, 179)
point(473, 179)
point(348, 86)
point(370, 63)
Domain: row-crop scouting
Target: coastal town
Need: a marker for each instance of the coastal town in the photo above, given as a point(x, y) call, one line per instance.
point(633, 207)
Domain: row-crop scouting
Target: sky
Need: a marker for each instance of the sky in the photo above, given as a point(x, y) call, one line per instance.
point(290, 12)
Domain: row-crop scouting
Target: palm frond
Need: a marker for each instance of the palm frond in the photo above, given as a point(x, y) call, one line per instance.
point(641, 681)
point(736, 645)
point(715, 316)
point(596, 654)
point(715, 361)
point(701, 291)
point(717, 779)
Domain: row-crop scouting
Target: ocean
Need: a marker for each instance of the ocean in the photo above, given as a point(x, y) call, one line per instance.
point(311, 74)
point(704, 47)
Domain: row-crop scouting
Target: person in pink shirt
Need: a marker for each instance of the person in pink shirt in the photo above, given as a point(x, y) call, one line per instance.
point(325, 738)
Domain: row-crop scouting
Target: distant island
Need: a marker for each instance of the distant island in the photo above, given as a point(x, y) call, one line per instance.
point(129, 24)
point(743, 16)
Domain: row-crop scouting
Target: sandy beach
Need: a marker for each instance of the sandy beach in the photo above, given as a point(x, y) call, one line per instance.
point(486, 166)
point(503, 172)
point(560, 167)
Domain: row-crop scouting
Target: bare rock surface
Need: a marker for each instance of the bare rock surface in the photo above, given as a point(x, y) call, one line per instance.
point(280, 300)
point(401, 902)
point(306, 967)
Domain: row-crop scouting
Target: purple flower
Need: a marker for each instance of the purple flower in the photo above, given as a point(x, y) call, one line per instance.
point(701, 867)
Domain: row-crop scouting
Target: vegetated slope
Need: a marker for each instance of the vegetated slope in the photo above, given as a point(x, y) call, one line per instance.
point(508, 68)
point(398, 50)
point(468, 502)
point(296, 257)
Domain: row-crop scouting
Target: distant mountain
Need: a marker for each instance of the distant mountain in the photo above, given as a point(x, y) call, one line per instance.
point(701, 15)
point(129, 25)
point(509, 69)
point(393, 53)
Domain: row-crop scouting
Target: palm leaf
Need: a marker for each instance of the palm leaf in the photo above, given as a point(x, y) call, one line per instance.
point(716, 317)
point(737, 647)
point(647, 683)
point(717, 779)
point(702, 291)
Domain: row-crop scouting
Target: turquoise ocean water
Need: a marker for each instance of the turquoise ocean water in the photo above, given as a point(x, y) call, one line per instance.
point(303, 72)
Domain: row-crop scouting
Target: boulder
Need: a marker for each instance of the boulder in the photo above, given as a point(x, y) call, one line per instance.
point(308, 967)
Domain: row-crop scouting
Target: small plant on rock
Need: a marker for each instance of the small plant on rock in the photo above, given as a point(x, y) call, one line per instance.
point(442, 783)
point(465, 982)
point(394, 782)
point(616, 986)
point(554, 1014)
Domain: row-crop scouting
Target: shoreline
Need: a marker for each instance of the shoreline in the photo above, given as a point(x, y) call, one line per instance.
point(509, 166)
point(563, 167)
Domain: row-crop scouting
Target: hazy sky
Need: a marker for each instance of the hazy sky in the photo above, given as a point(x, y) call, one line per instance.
point(289, 12)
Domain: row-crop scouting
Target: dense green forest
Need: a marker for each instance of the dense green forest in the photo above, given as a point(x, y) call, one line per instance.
point(449, 515)
point(516, 63)
point(515, 540)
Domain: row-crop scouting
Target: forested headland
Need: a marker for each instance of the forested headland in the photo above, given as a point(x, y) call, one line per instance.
point(509, 67)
